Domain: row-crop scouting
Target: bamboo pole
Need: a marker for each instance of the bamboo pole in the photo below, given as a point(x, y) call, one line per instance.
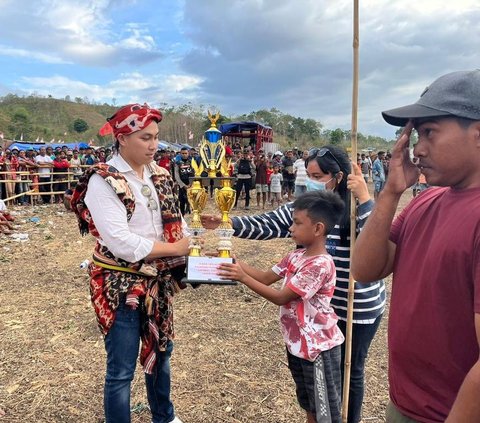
point(351, 282)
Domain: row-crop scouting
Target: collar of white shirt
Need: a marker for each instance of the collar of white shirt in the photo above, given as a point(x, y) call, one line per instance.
point(119, 163)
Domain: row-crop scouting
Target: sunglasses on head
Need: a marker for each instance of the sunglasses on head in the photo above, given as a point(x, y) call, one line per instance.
point(320, 152)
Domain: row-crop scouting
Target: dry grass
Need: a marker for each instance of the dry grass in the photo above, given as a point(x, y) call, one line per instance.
point(229, 361)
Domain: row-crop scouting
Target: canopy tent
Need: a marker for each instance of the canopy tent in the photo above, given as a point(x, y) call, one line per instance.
point(257, 134)
point(37, 146)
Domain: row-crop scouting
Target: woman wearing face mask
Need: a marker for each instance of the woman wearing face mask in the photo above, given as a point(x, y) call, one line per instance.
point(328, 168)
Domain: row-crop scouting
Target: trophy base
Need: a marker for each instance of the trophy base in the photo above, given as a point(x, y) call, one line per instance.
point(203, 271)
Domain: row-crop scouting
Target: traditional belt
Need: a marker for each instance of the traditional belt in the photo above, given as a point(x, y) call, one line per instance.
point(118, 268)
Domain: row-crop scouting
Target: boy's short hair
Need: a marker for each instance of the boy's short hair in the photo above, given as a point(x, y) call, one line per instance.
point(321, 206)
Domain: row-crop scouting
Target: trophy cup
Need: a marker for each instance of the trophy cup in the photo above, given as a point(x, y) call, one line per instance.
point(213, 169)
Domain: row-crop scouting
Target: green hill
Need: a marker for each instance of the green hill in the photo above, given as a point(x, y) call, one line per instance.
point(47, 118)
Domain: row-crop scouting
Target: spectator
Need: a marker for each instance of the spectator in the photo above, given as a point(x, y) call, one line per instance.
point(276, 180)
point(24, 165)
point(164, 160)
point(378, 174)
point(244, 170)
point(60, 175)
point(365, 166)
point(89, 158)
point(183, 172)
point(261, 187)
point(300, 175)
point(45, 164)
point(75, 166)
point(433, 250)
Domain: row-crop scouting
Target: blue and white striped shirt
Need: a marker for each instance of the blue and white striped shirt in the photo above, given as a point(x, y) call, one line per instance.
point(369, 298)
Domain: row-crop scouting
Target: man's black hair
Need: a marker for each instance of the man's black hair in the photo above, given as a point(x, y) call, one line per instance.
point(321, 206)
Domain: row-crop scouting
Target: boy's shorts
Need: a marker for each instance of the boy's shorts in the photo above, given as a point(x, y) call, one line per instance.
point(261, 188)
point(319, 384)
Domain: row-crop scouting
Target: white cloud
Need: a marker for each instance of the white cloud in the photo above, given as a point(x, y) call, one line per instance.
point(171, 89)
point(72, 31)
point(18, 52)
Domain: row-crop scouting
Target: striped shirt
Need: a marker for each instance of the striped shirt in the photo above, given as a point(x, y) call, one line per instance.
point(369, 298)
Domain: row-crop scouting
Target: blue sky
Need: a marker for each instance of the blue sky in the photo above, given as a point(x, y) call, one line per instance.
point(237, 55)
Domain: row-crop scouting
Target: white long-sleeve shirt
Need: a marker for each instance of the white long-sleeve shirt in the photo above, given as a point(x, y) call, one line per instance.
point(129, 240)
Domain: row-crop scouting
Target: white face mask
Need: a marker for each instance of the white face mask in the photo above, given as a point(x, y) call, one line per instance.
point(313, 185)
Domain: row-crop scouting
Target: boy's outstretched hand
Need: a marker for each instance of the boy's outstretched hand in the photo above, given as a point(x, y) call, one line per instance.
point(232, 271)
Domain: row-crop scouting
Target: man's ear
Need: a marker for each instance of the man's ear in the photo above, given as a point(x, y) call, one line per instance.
point(475, 127)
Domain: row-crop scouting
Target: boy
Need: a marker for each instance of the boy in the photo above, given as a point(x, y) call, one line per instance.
point(308, 322)
point(276, 180)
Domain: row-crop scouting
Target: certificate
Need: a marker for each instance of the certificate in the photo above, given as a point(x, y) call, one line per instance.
point(205, 270)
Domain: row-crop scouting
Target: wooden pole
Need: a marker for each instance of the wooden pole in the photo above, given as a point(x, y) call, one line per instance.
point(351, 282)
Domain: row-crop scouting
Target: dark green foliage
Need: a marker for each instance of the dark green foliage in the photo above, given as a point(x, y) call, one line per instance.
point(79, 125)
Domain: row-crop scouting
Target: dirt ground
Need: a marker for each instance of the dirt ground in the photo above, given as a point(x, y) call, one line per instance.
point(229, 362)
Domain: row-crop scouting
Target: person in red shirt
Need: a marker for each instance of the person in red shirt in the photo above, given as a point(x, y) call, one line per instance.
point(60, 169)
point(433, 250)
point(164, 160)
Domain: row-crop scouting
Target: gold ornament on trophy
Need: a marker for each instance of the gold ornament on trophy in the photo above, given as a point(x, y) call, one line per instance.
point(212, 169)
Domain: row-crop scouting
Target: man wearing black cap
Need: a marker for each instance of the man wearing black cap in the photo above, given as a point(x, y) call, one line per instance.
point(434, 323)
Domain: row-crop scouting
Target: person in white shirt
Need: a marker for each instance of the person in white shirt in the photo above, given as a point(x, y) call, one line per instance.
point(300, 175)
point(45, 164)
point(129, 206)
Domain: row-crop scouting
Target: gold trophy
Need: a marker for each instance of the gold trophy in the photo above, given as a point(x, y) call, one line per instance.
point(213, 167)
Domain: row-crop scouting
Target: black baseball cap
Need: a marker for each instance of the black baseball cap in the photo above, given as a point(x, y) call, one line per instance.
point(454, 94)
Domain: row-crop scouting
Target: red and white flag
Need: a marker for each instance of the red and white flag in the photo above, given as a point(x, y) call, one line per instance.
point(105, 129)
point(1, 135)
point(190, 135)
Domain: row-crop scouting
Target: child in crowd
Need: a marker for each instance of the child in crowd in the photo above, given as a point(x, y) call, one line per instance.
point(276, 180)
point(269, 174)
point(308, 322)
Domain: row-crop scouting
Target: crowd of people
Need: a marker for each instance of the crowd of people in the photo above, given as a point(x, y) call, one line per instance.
point(46, 171)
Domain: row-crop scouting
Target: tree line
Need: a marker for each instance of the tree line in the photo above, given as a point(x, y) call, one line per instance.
point(34, 116)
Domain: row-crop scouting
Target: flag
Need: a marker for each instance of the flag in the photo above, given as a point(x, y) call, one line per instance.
point(184, 124)
point(91, 139)
point(1, 135)
point(65, 133)
point(38, 139)
point(190, 135)
point(105, 129)
point(21, 136)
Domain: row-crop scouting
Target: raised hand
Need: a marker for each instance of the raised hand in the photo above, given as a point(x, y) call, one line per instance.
point(356, 183)
point(402, 173)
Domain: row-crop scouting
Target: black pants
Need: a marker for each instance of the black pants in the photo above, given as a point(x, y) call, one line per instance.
point(45, 188)
point(183, 199)
point(362, 336)
point(247, 183)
